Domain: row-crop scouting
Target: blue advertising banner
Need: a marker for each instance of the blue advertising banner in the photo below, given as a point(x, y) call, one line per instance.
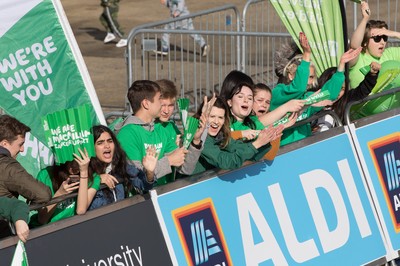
point(380, 145)
point(301, 210)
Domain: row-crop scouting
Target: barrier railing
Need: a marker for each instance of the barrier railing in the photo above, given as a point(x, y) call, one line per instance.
point(370, 97)
point(184, 64)
point(274, 195)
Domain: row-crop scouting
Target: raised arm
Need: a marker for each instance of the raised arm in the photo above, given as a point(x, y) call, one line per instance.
point(358, 34)
point(281, 111)
point(305, 46)
point(348, 56)
point(85, 194)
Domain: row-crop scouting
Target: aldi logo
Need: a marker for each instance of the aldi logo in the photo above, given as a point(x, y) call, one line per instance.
point(385, 153)
point(201, 235)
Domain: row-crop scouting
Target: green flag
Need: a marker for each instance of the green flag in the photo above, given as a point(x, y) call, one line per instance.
point(41, 72)
point(20, 258)
point(321, 21)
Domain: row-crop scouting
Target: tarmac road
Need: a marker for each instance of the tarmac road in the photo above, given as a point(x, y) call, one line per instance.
point(105, 62)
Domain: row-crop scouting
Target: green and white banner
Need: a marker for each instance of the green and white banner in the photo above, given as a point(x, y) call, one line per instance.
point(67, 131)
point(41, 71)
point(321, 21)
point(20, 258)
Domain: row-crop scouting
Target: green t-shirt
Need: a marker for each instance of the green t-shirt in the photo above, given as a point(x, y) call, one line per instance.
point(238, 125)
point(135, 140)
point(171, 130)
point(355, 75)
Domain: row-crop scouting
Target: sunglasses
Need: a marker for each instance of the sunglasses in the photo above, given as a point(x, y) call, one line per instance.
point(378, 38)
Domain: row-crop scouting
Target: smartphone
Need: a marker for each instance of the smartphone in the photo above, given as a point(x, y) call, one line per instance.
point(74, 178)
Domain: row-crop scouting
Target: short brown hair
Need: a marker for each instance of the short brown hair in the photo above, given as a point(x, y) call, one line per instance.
point(371, 24)
point(141, 90)
point(168, 89)
point(11, 128)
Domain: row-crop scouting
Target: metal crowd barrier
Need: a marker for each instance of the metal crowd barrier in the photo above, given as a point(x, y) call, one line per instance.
point(370, 97)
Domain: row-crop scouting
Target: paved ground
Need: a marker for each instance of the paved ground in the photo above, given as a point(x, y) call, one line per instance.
point(106, 63)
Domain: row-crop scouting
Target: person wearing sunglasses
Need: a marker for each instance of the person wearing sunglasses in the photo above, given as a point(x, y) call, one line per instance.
point(372, 35)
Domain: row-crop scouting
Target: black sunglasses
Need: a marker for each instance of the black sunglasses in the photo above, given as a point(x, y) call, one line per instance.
point(378, 38)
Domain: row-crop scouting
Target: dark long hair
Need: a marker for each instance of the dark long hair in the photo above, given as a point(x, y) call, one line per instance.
point(59, 173)
point(233, 84)
point(339, 106)
point(236, 90)
point(225, 133)
point(232, 80)
point(119, 160)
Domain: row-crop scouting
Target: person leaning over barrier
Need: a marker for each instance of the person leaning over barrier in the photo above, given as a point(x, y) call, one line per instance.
point(345, 95)
point(138, 132)
point(111, 164)
point(296, 88)
point(17, 212)
point(64, 179)
point(220, 150)
point(372, 35)
point(14, 179)
point(169, 93)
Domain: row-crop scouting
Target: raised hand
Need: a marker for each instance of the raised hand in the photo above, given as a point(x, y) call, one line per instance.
point(83, 160)
point(150, 159)
point(365, 11)
point(347, 57)
point(305, 45)
point(389, 33)
point(207, 106)
point(199, 132)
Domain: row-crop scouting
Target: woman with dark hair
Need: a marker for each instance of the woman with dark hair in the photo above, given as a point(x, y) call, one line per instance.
point(64, 179)
point(238, 90)
point(111, 165)
point(220, 150)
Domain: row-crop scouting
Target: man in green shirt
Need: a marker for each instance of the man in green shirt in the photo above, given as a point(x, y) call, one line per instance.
point(139, 131)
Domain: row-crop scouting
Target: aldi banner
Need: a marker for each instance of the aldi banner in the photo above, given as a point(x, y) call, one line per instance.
point(321, 21)
point(41, 71)
point(379, 147)
point(315, 212)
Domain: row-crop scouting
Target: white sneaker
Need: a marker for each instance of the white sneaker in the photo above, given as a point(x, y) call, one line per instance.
point(205, 49)
point(163, 51)
point(109, 37)
point(122, 43)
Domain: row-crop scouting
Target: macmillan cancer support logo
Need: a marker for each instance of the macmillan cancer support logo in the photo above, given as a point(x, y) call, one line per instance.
point(385, 153)
point(201, 235)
